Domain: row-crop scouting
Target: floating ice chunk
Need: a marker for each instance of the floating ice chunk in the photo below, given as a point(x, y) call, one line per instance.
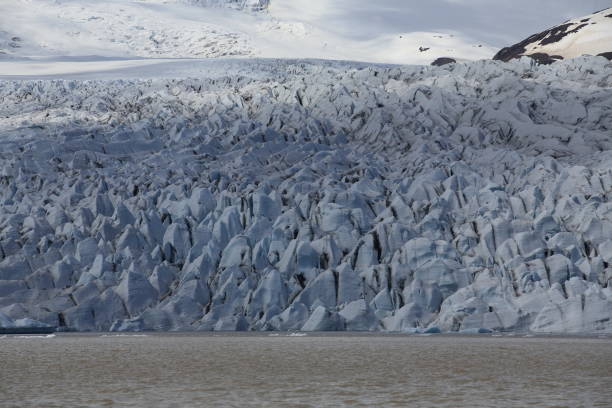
point(26, 322)
point(479, 330)
point(47, 336)
point(432, 330)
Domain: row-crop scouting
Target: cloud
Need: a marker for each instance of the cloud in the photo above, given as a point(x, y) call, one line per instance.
point(497, 22)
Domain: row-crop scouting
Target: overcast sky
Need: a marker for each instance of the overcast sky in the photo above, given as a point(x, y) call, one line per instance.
point(499, 22)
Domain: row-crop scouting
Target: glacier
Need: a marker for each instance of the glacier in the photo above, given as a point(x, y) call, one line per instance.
point(311, 195)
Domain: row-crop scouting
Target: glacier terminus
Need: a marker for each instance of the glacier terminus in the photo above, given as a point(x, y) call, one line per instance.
point(310, 195)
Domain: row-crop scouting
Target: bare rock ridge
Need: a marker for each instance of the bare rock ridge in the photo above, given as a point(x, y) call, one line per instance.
point(313, 196)
point(590, 35)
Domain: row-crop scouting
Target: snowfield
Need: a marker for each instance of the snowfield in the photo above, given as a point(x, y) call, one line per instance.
point(309, 195)
point(383, 31)
point(205, 29)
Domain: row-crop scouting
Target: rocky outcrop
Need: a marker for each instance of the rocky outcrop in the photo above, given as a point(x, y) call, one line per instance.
point(607, 55)
point(443, 61)
point(590, 35)
point(312, 196)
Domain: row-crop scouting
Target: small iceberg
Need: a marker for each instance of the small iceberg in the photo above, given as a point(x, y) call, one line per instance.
point(23, 326)
point(432, 330)
point(48, 336)
point(124, 335)
point(476, 330)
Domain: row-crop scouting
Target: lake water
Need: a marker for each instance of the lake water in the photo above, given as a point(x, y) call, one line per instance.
point(278, 370)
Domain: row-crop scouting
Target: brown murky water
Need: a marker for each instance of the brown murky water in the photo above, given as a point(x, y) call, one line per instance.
point(173, 370)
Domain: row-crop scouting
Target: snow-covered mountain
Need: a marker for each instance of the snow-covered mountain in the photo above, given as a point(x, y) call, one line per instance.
point(204, 29)
point(385, 31)
point(591, 35)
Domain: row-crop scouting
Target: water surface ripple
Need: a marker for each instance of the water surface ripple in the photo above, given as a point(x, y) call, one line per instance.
point(184, 370)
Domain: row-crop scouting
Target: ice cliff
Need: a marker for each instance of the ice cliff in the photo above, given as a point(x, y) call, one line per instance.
point(312, 196)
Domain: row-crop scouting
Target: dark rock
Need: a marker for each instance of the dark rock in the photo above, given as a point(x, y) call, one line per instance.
point(443, 61)
point(607, 55)
point(550, 36)
point(544, 59)
point(559, 33)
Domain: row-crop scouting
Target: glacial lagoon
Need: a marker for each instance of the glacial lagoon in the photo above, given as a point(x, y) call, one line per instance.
point(299, 370)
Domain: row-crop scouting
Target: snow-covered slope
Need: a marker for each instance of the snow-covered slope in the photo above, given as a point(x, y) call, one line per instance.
point(588, 35)
point(314, 196)
point(196, 29)
point(387, 31)
point(125, 29)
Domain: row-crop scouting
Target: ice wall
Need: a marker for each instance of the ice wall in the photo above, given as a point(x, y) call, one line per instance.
point(313, 196)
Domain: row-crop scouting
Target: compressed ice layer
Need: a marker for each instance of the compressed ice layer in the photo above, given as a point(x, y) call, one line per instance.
point(313, 196)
